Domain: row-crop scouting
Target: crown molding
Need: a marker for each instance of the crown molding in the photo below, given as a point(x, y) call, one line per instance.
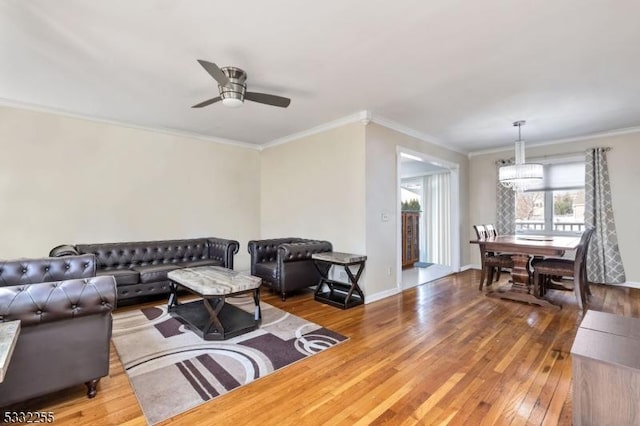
point(171, 132)
point(365, 117)
point(361, 116)
point(425, 137)
point(619, 132)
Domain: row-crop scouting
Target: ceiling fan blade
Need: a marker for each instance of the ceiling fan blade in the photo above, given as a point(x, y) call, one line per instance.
point(263, 98)
point(207, 102)
point(215, 72)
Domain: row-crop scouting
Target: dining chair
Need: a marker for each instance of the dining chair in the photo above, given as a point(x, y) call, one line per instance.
point(491, 230)
point(545, 269)
point(490, 262)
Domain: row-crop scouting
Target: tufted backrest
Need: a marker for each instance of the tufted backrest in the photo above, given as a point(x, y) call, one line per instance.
point(144, 253)
point(303, 250)
point(267, 250)
point(53, 301)
point(48, 269)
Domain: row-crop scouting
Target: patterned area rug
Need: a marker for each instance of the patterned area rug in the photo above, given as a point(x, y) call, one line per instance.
point(172, 370)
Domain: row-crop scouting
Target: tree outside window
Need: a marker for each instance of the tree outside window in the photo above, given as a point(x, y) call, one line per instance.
point(557, 205)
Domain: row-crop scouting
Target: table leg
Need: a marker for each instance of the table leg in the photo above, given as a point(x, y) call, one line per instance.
point(173, 296)
point(257, 313)
point(354, 282)
point(323, 269)
point(521, 290)
point(214, 306)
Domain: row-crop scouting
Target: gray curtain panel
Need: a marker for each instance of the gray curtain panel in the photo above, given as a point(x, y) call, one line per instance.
point(604, 263)
point(505, 204)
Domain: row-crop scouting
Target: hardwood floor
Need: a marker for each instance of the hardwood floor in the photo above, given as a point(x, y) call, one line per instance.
point(440, 353)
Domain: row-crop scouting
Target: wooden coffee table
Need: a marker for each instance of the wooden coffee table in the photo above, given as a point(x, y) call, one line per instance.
point(211, 317)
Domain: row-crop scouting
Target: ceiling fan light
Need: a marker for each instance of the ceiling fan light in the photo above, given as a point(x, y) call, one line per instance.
point(232, 102)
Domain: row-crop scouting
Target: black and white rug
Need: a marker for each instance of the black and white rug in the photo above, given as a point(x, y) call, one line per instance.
point(172, 370)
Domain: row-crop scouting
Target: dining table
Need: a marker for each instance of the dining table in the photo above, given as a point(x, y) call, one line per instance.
point(523, 248)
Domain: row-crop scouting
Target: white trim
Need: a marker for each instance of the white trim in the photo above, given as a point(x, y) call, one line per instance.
point(631, 284)
point(436, 161)
point(362, 116)
point(425, 137)
point(171, 132)
point(470, 266)
point(454, 169)
point(625, 131)
point(423, 174)
point(380, 295)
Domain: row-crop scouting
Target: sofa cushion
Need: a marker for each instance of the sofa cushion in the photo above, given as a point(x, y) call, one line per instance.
point(267, 270)
point(153, 273)
point(207, 262)
point(122, 276)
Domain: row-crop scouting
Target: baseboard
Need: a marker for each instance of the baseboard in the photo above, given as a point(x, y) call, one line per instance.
point(631, 284)
point(470, 266)
point(381, 295)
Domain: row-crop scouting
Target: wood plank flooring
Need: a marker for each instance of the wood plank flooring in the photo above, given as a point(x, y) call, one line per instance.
point(441, 353)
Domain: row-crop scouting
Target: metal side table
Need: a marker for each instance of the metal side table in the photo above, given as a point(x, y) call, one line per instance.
point(340, 294)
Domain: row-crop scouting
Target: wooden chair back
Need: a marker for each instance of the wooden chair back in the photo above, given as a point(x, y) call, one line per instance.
point(481, 231)
point(491, 230)
point(580, 263)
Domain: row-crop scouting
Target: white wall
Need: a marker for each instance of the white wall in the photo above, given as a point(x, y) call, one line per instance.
point(382, 189)
point(314, 188)
point(67, 180)
point(625, 178)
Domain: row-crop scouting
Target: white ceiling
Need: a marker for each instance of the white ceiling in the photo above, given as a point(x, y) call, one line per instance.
point(459, 71)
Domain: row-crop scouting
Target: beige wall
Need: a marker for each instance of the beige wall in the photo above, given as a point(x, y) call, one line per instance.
point(625, 178)
point(67, 180)
point(382, 188)
point(314, 188)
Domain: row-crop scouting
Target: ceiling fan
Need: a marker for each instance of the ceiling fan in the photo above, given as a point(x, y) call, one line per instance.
point(233, 88)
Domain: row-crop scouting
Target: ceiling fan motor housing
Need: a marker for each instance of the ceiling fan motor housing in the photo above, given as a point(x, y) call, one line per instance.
point(233, 94)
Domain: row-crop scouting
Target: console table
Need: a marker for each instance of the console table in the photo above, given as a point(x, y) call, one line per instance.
point(606, 370)
point(339, 294)
point(8, 337)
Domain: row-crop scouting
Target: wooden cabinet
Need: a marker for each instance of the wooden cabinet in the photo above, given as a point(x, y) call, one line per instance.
point(606, 370)
point(410, 238)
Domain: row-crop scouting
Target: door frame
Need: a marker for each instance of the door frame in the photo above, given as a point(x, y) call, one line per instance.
point(454, 169)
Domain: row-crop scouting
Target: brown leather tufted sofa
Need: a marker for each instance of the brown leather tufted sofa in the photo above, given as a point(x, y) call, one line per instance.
point(65, 318)
point(285, 263)
point(140, 268)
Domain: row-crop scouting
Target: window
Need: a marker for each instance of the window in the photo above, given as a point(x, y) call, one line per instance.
point(556, 205)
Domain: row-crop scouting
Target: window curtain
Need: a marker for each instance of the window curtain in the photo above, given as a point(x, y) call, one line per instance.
point(604, 263)
point(437, 211)
point(505, 204)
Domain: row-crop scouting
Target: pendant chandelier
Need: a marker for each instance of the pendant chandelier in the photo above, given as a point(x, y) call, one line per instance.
point(521, 175)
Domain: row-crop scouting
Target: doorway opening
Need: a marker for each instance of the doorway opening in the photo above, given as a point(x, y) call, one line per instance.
point(428, 211)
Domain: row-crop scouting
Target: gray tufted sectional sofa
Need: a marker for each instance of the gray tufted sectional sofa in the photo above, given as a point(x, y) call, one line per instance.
point(65, 317)
point(285, 264)
point(140, 268)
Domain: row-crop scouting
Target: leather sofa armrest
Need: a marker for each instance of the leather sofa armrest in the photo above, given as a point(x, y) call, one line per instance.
point(64, 250)
point(53, 301)
point(224, 250)
point(302, 251)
